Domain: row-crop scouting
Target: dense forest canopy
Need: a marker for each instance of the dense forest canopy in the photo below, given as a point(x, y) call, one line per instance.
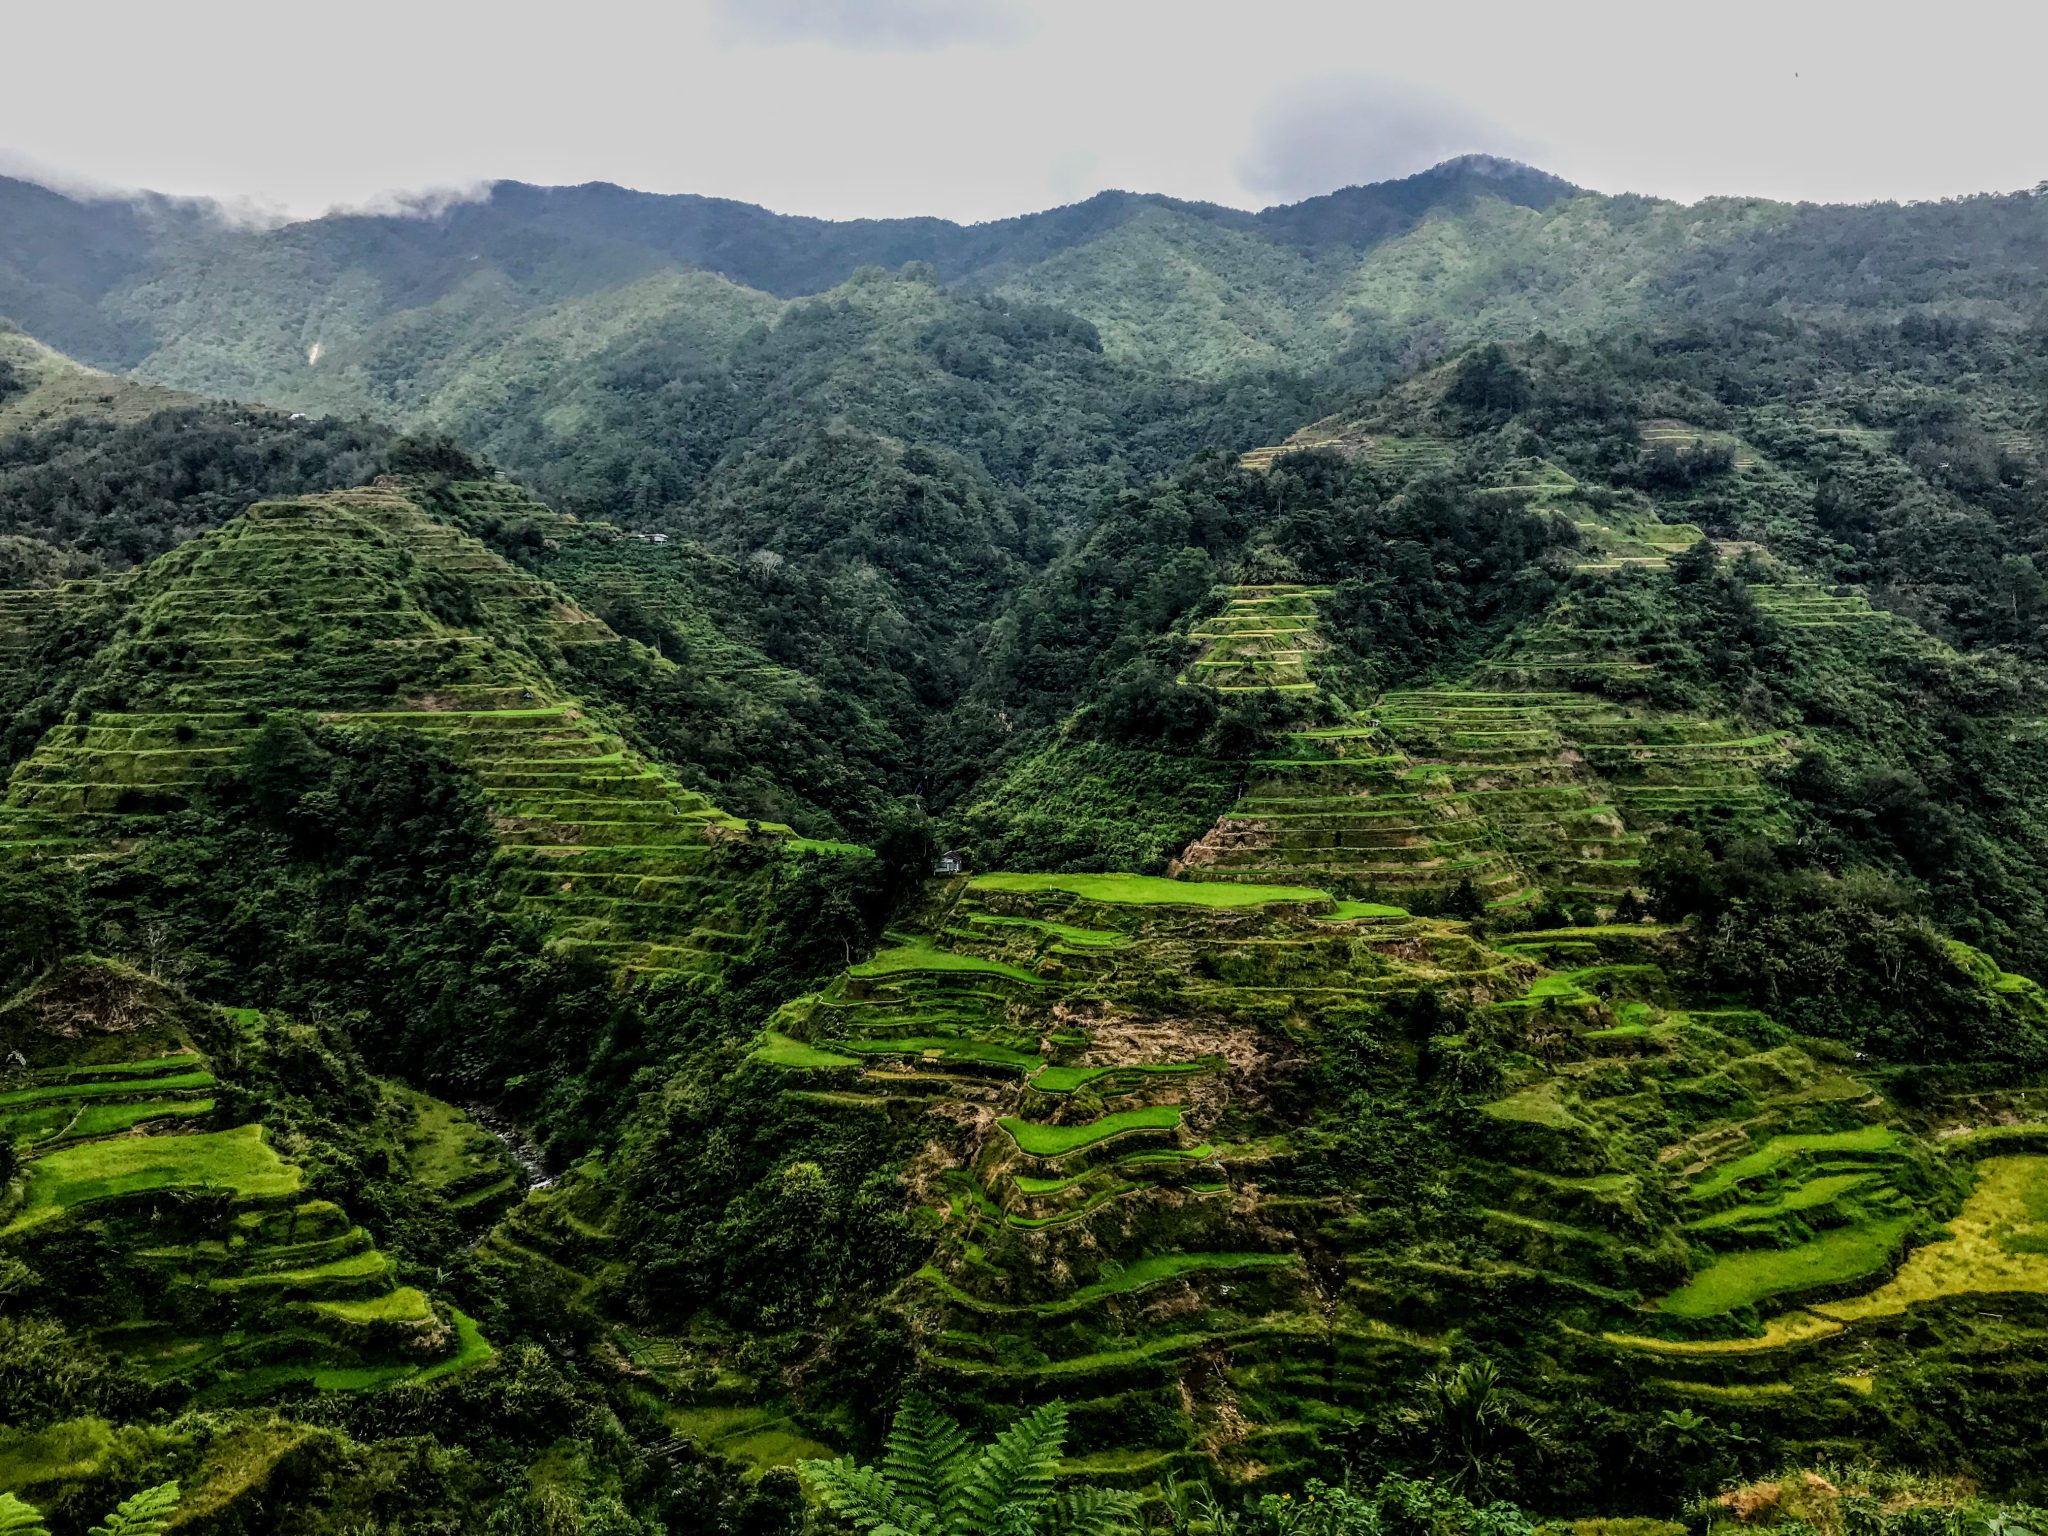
point(1375, 867)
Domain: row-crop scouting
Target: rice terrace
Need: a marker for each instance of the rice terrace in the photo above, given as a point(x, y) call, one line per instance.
point(1357, 848)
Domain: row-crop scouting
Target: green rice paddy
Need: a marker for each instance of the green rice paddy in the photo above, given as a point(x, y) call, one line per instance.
point(1086, 938)
point(1749, 1276)
point(919, 957)
point(1060, 1140)
point(1152, 890)
point(1866, 1140)
point(104, 1089)
point(946, 1048)
point(778, 1050)
point(1071, 1079)
point(238, 1162)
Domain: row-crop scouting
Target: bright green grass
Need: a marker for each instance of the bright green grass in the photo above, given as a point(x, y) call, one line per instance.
point(1350, 911)
point(946, 1048)
point(758, 1437)
point(1031, 1185)
point(471, 1348)
point(403, 1305)
point(155, 1064)
point(1869, 1138)
point(1059, 1140)
point(354, 1266)
point(1814, 1192)
point(239, 1161)
point(63, 1122)
point(1742, 1279)
point(778, 1050)
point(1068, 1079)
point(1152, 890)
point(1084, 938)
point(823, 845)
point(102, 1089)
point(916, 957)
point(445, 1149)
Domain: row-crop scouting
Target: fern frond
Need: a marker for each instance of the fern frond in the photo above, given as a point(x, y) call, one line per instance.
point(1007, 1486)
point(925, 1456)
point(19, 1519)
point(1093, 1512)
point(864, 1497)
point(142, 1514)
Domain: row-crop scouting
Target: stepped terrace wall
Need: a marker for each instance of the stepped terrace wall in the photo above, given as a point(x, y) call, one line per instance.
point(362, 609)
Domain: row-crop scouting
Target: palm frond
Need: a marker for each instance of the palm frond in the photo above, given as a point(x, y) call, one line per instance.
point(864, 1496)
point(1012, 1478)
point(925, 1455)
point(1092, 1512)
point(142, 1514)
point(19, 1519)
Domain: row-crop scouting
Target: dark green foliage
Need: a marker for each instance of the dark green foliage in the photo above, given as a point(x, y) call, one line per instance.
point(44, 921)
point(119, 494)
point(345, 877)
point(1092, 805)
point(771, 1211)
point(932, 1482)
point(1488, 388)
point(1844, 958)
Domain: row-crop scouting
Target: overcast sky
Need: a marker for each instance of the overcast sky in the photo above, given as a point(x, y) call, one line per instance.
point(979, 108)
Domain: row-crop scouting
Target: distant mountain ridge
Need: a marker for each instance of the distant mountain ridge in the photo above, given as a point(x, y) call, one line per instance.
point(1475, 248)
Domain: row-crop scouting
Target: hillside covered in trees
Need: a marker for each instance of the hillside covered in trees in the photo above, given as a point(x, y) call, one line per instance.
point(1375, 867)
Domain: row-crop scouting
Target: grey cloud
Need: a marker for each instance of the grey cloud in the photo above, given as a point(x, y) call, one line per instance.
point(1340, 132)
point(907, 25)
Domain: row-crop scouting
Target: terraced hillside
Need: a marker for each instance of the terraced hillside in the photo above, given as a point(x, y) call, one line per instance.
point(1520, 792)
point(1264, 640)
point(360, 608)
point(1401, 456)
point(1121, 1219)
point(31, 615)
point(1116, 1083)
point(213, 1266)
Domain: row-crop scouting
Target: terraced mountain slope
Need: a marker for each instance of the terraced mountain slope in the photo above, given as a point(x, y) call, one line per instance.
point(1264, 641)
point(213, 1267)
point(56, 389)
point(1119, 1088)
point(1524, 794)
point(365, 611)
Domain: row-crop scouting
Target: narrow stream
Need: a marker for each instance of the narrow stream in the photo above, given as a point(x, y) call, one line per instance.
point(533, 1166)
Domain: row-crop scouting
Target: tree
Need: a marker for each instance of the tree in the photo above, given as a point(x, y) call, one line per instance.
point(143, 1514)
point(1472, 1423)
point(932, 1482)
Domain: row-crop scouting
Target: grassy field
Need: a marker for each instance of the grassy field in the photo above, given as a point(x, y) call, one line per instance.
point(240, 1162)
point(1060, 1140)
point(104, 1088)
point(778, 1050)
point(1998, 1245)
point(947, 1048)
point(45, 1123)
point(1152, 890)
point(1086, 938)
point(1811, 1195)
point(1744, 1278)
point(1069, 1079)
point(919, 957)
point(1780, 1149)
